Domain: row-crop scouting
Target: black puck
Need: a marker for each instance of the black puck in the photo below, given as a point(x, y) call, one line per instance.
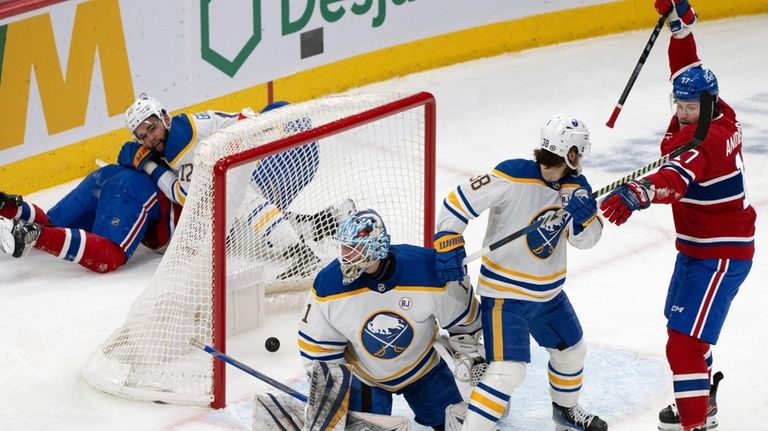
point(272, 344)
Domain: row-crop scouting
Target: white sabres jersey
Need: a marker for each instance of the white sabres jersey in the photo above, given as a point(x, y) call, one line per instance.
point(186, 131)
point(385, 329)
point(533, 267)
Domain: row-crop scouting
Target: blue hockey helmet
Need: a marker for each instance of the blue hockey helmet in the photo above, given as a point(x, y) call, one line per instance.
point(363, 239)
point(689, 84)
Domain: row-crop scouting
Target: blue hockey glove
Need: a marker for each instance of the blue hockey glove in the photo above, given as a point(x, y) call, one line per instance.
point(450, 255)
point(582, 207)
point(632, 196)
point(133, 155)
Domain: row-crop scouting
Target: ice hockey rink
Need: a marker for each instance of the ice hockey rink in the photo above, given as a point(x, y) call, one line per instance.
point(54, 313)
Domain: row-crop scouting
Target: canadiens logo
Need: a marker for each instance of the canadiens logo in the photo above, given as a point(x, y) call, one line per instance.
point(542, 241)
point(386, 335)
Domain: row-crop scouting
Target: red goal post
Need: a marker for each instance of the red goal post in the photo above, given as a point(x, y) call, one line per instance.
point(375, 150)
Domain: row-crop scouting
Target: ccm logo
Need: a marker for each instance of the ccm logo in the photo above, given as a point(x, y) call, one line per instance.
point(677, 309)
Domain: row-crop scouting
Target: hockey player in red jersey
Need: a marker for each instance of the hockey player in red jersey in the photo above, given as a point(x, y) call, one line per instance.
point(714, 221)
point(98, 225)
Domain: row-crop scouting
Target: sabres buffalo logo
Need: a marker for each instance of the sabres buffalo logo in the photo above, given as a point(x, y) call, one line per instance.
point(543, 240)
point(386, 335)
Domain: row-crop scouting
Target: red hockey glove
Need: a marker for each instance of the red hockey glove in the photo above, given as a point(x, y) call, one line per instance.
point(619, 204)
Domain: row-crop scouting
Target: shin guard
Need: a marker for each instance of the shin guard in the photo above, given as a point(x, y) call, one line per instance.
point(690, 373)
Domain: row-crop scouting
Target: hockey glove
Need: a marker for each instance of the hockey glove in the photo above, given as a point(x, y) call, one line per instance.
point(681, 15)
point(466, 343)
point(632, 196)
point(450, 255)
point(582, 207)
point(133, 155)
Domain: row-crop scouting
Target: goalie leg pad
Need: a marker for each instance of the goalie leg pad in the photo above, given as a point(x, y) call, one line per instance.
point(277, 412)
point(329, 396)
point(358, 421)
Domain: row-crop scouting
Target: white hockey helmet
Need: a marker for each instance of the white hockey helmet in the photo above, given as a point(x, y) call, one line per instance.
point(144, 107)
point(561, 133)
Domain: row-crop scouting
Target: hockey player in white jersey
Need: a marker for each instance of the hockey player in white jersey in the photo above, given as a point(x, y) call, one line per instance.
point(380, 307)
point(278, 179)
point(521, 283)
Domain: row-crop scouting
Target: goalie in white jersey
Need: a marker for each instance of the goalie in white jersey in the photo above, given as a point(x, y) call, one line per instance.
point(521, 283)
point(379, 307)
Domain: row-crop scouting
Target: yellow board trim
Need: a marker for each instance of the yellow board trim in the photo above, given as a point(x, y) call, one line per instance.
point(75, 160)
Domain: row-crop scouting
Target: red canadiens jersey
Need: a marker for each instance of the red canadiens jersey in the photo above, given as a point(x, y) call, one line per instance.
point(705, 186)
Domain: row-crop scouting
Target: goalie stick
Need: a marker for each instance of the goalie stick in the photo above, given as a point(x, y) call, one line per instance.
point(237, 364)
point(356, 421)
point(702, 128)
point(636, 71)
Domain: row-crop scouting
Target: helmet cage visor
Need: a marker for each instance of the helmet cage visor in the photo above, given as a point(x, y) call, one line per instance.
point(362, 239)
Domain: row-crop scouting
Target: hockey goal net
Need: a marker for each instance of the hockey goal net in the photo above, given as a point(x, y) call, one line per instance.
point(266, 198)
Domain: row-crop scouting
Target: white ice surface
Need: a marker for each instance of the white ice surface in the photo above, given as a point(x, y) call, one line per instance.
point(53, 313)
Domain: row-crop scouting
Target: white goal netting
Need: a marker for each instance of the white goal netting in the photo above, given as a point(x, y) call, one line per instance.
point(282, 210)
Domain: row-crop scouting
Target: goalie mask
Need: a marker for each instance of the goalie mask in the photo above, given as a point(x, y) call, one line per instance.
point(363, 239)
point(561, 133)
point(144, 107)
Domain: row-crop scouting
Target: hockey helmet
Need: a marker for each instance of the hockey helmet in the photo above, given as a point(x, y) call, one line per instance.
point(363, 239)
point(144, 107)
point(274, 105)
point(688, 85)
point(561, 133)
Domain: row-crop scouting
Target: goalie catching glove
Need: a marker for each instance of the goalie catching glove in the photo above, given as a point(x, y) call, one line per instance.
point(450, 256)
point(468, 354)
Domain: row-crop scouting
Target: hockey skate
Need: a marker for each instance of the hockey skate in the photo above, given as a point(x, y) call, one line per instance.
point(6, 199)
point(304, 262)
point(324, 223)
point(669, 417)
point(576, 419)
point(18, 236)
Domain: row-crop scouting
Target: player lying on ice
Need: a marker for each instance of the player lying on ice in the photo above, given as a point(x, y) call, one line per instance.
point(164, 142)
point(379, 308)
point(98, 225)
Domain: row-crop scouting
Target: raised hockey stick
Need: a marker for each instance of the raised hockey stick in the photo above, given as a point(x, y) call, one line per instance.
point(636, 71)
point(702, 128)
point(237, 364)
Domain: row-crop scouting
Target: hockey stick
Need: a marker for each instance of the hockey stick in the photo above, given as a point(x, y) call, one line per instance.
point(237, 364)
point(356, 420)
point(636, 72)
point(702, 128)
point(715, 384)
